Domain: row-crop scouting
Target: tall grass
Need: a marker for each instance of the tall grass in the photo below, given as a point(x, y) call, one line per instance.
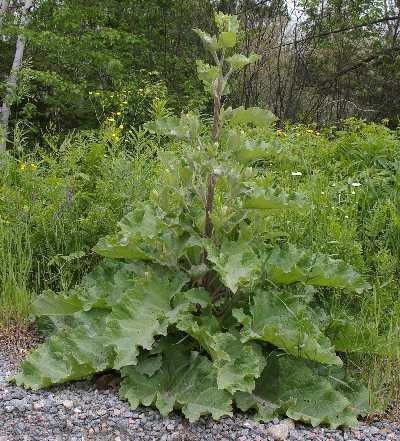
point(56, 202)
point(15, 269)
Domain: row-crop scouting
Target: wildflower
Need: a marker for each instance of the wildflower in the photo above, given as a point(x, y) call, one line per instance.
point(97, 93)
point(121, 126)
point(353, 192)
point(333, 184)
point(297, 173)
point(124, 102)
point(33, 166)
point(22, 166)
point(310, 131)
point(346, 216)
point(356, 184)
point(322, 192)
point(111, 119)
point(90, 93)
point(119, 113)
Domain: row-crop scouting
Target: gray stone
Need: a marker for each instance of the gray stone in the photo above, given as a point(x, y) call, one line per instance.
point(68, 404)
point(281, 431)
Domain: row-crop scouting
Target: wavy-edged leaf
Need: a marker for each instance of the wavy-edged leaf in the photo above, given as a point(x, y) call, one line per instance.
point(51, 303)
point(186, 381)
point(73, 353)
point(144, 235)
point(288, 265)
point(236, 263)
point(274, 199)
point(239, 61)
point(287, 323)
point(307, 392)
point(237, 364)
point(102, 288)
point(253, 115)
point(142, 314)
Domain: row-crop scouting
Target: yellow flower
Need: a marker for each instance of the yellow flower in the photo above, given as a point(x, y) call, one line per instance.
point(97, 93)
point(22, 166)
point(119, 113)
point(310, 131)
point(111, 119)
point(33, 166)
point(124, 102)
point(121, 126)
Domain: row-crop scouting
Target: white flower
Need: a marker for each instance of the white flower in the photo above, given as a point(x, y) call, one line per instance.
point(356, 184)
point(353, 192)
point(333, 185)
point(322, 192)
point(297, 173)
point(346, 216)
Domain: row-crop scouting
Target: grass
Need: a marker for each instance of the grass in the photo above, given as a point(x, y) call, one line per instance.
point(58, 201)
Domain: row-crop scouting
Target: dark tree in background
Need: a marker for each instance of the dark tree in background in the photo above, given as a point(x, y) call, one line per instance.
point(321, 60)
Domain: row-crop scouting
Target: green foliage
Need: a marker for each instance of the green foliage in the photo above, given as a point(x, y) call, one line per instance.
point(194, 313)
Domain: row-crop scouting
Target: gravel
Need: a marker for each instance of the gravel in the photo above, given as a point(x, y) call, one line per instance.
point(79, 412)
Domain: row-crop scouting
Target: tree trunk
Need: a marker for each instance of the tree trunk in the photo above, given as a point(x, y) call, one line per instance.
point(12, 79)
point(3, 9)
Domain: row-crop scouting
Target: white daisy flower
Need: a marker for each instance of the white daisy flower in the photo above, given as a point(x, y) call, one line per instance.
point(297, 173)
point(356, 184)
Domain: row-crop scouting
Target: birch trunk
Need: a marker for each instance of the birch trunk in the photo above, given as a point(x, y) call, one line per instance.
point(3, 9)
point(12, 79)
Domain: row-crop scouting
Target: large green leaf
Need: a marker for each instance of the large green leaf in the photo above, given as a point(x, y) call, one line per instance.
point(236, 263)
point(144, 312)
point(185, 380)
point(73, 353)
point(274, 199)
point(145, 235)
point(281, 319)
point(237, 364)
point(306, 392)
point(102, 288)
point(253, 115)
point(288, 265)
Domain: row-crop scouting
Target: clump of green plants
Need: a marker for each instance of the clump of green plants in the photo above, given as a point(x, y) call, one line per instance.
point(195, 304)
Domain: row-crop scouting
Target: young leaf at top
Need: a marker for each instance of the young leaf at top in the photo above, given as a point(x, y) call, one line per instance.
point(227, 23)
point(210, 42)
point(226, 40)
point(239, 61)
